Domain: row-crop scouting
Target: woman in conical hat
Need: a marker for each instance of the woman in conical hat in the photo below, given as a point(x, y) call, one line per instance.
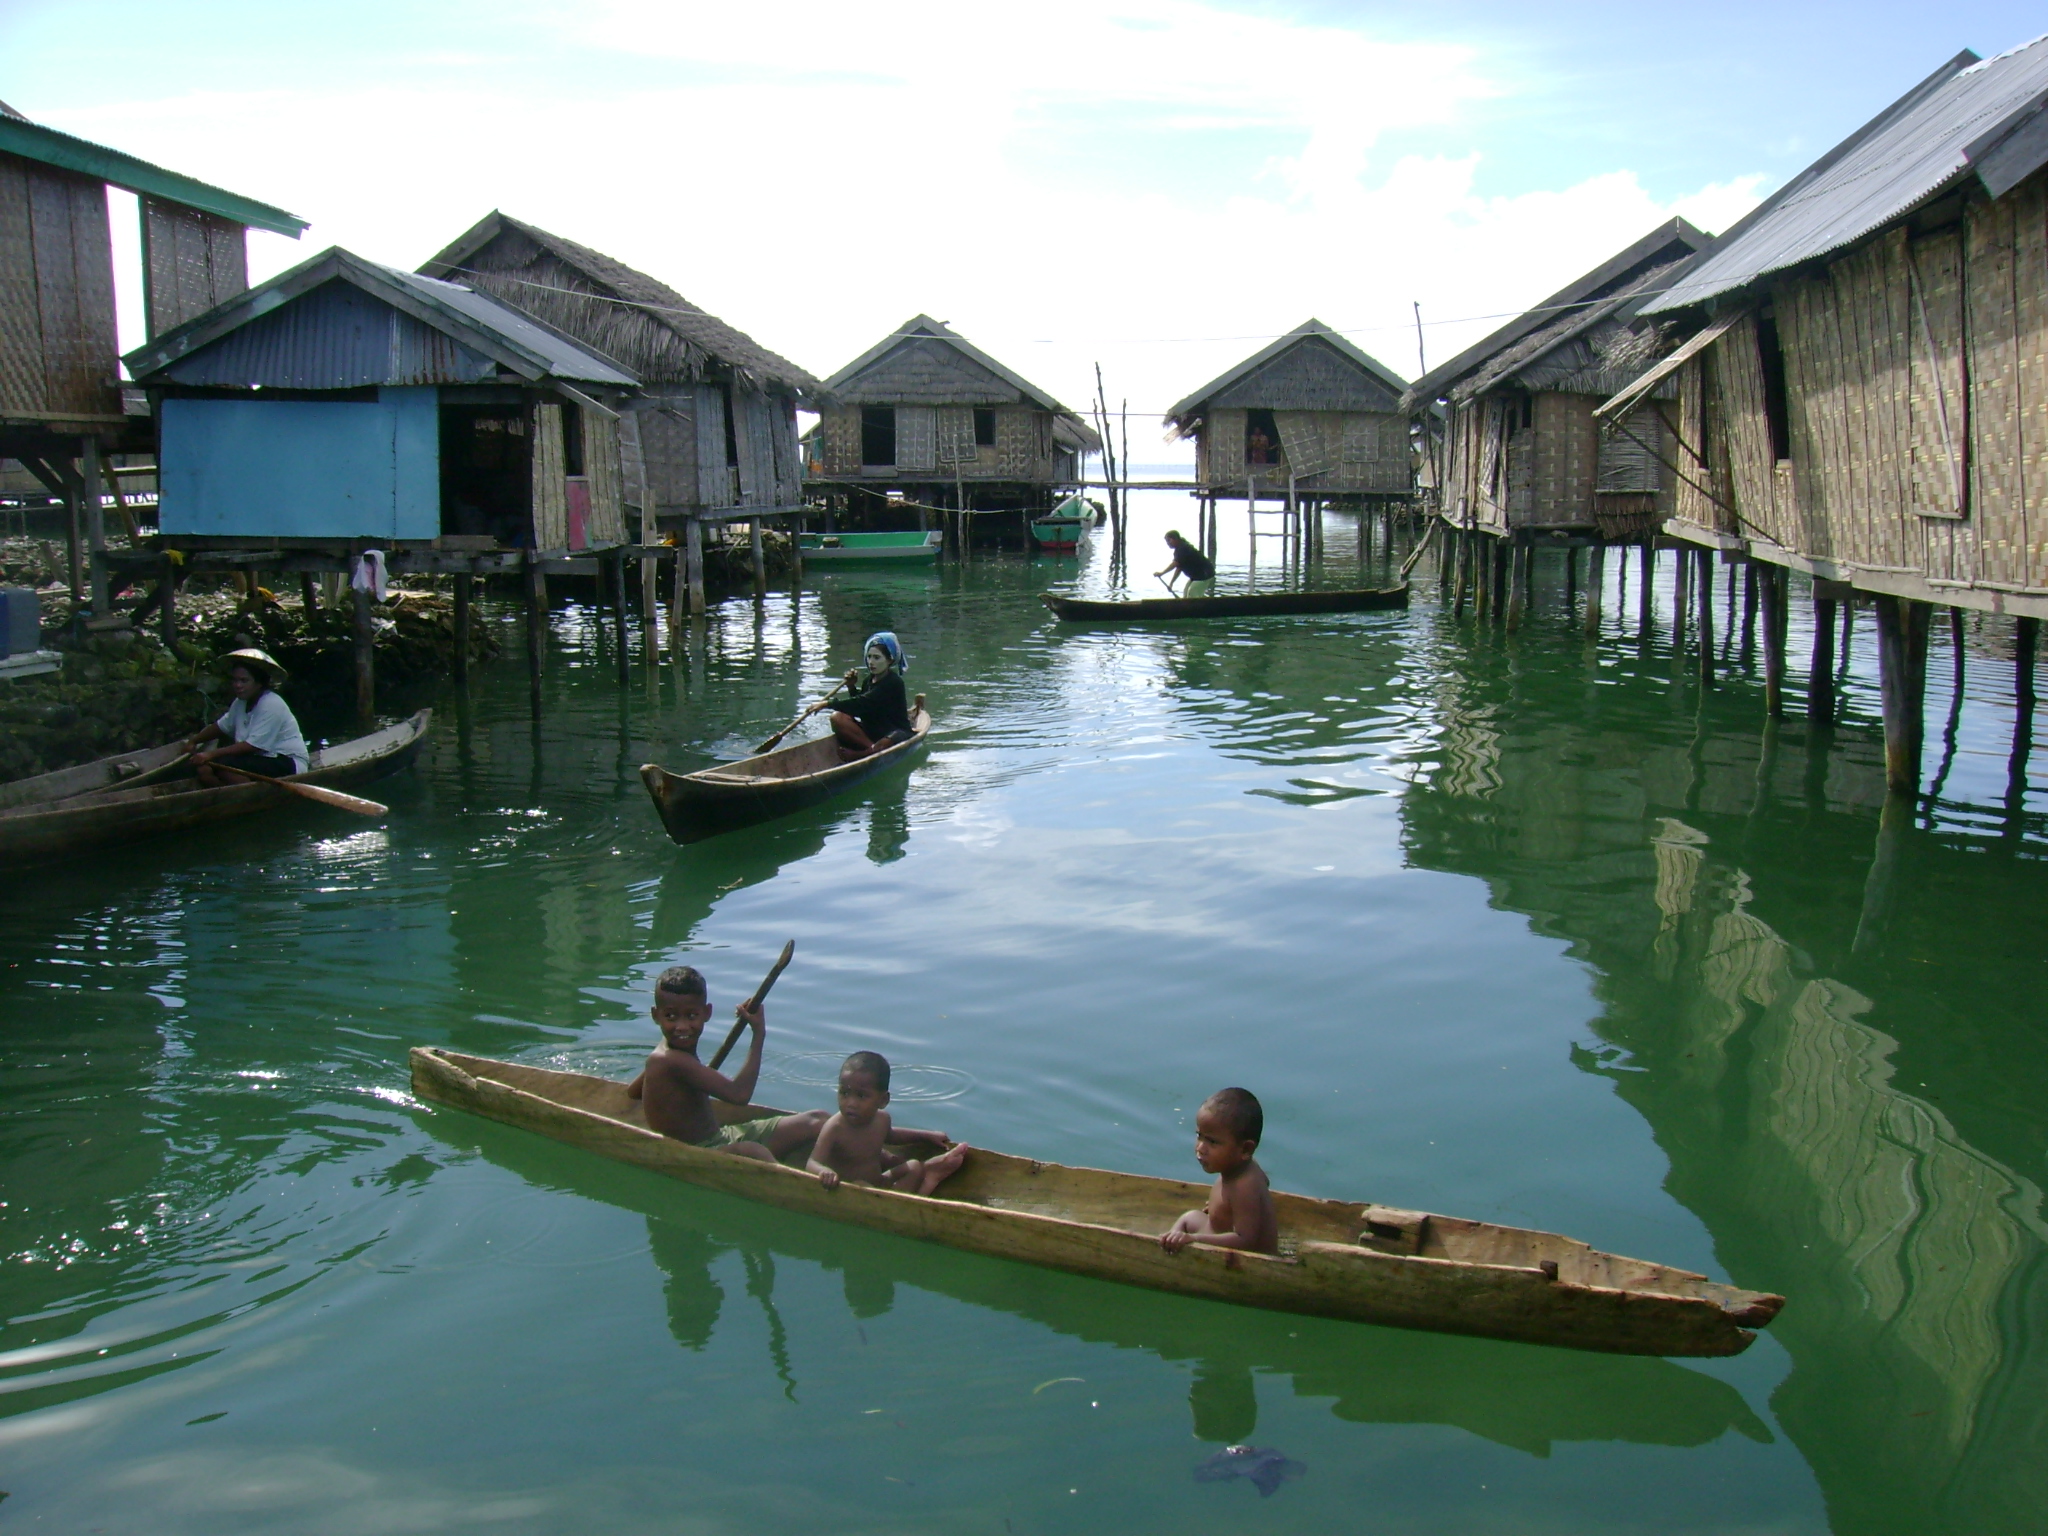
point(259, 731)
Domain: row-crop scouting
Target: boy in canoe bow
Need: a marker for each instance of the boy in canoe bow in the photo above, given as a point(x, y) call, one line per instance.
point(677, 1089)
point(1240, 1211)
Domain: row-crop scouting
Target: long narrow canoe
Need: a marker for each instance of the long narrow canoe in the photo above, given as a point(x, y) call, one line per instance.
point(1366, 1263)
point(121, 815)
point(694, 806)
point(125, 770)
point(1233, 605)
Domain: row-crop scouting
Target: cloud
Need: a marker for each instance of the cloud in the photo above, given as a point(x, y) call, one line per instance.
point(1154, 184)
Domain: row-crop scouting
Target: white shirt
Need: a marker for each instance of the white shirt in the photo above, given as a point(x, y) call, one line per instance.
point(268, 727)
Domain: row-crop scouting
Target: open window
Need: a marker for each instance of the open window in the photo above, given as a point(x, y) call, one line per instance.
point(487, 473)
point(572, 438)
point(1261, 438)
point(1777, 415)
point(878, 435)
point(984, 428)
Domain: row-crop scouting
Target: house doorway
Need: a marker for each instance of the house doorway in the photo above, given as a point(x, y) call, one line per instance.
point(487, 474)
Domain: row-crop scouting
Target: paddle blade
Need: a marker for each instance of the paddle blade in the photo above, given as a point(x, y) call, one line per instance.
point(336, 798)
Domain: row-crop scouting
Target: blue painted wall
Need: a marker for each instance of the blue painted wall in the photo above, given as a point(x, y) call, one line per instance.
point(301, 469)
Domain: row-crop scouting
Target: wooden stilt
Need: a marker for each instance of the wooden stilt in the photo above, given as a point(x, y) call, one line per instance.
point(2026, 640)
point(167, 602)
point(464, 583)
point(693, 564)
point(1820, 669)
point(1596, 585)
point(1503, 573)
point(1518, 583)
point(536, 627)
point(1571, 577)
point(309, 595)
point(1647, 598)
point(1460, 555)
point(760, 562)
point(90, 489)
point(366, 657)
point(1902, 679)
point(615, 574)
point(1771, 601)
point(678, 602)
point(1749, 605)
point(1704, 560)
point(1681, 598)
point(1848, 634)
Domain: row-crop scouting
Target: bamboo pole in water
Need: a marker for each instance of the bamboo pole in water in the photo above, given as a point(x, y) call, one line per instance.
point(1705, 561)
point(1596, 581)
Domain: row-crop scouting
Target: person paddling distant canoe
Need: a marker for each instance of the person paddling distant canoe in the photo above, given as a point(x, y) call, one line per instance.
point(1187, 561)
point(260, 733)
point(877, 715)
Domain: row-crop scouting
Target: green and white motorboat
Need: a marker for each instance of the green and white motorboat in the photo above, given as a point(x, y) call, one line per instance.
point(854, 549)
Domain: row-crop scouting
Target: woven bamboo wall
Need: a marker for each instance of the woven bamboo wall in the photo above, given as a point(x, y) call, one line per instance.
point(601, 462)
point(1565, 463)
point(57, 344)
point(1917, 390)
point(926, 436)
point(191, 261)
point(550, 495)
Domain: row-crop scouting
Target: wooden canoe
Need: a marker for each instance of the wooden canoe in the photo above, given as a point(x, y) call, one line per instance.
point(30, 832)
point(126, 770)
point(1366, 1263)
point(1232, 605)
point(694, 806)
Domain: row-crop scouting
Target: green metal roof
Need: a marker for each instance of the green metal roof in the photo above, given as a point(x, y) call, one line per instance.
point(32, 141)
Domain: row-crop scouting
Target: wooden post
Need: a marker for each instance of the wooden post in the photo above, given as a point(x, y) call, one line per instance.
point(309, 597)
point(1519, 555)
point(1681, 598)
point(464, 582)
point(366, 657)
point(615, 570)
point(1820, 667)
point(796, 555)
point(1902, 678)
point(1596, 582)
point(1771, 602)
point(536, 627)
point(2026, 639)
point(1705, 561)
point(1648, 595)
point(1571, 576)
point(1503, 565)
point(90, 489)
point(1749, 605)
point(760, 561)
point(167, 602)
point(692, 566)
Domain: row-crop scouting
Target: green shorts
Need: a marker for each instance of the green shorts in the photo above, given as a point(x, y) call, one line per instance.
point(742, 1130)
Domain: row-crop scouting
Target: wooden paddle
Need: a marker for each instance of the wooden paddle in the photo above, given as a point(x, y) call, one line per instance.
point(769, 744)
point(332, 797)
point(752, 1003)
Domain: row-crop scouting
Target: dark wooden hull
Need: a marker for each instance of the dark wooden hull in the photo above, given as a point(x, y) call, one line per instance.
point(694, 806)
point(126, 770)
point(1342, 1259)
point(1236, 605)
point(82, 822)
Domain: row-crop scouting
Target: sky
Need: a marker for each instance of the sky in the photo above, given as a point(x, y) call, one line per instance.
point(1155, 186)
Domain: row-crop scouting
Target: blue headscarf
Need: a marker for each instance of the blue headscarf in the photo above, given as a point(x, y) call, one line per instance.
point(886, 639)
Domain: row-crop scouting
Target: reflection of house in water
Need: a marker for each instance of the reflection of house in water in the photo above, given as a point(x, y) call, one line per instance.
point(1889, 1211)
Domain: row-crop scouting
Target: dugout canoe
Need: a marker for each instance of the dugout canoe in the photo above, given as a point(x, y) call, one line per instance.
point(1232, 605)
point(694, 806)
point(125, 770)
point(1342, 1259)
point(29, 832)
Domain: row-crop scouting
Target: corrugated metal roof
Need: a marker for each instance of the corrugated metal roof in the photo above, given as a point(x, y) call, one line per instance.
point(34, 141)
point(563, 358)
point(1944, 129)
point(335, 338)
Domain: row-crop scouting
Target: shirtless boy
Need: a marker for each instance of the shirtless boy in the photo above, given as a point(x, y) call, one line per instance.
point(1240, 1212)
point(852, 1144)
point(678, 1088)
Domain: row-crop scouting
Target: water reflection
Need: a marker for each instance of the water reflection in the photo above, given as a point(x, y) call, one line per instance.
point(1525, 1397)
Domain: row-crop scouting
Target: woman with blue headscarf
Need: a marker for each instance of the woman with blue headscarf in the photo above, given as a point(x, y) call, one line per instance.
point(877, 712)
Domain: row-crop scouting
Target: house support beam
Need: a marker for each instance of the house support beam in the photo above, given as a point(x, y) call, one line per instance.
point(1596, 583)
point(464, 582)
point(366, 656)
point(1902, 680)
point(693, 564)
point(536, 628)
point(622, 630)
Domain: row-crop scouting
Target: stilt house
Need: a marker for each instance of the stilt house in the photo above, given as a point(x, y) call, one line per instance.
point(1312, 412)
point(713, 427)
point(1519, 448)
point(926, 412)
point(62, 409)
point(1863, 396)
point(344, 404)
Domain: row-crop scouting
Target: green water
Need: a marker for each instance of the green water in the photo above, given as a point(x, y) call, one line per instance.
point(1520, 928)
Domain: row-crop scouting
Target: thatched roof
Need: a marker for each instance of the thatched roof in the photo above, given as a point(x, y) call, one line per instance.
point(1311, 368)
point(625, 314)
point(924, 362)
point(1612, 291)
